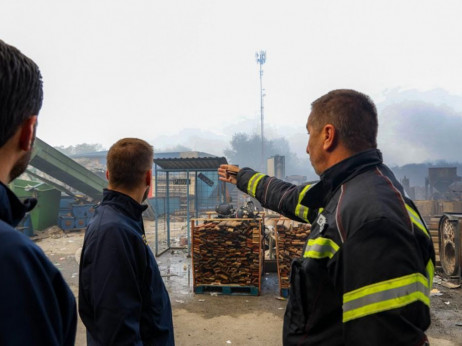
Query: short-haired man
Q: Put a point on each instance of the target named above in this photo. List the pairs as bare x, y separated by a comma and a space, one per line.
122, 298
36, 305
367, 267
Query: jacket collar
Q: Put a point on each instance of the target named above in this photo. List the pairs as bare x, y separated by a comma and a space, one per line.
123, 203
11, 209
332, 178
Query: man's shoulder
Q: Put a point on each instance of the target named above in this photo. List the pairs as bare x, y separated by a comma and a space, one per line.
17, 248
109, 219
376, 180
112, 224
372, 195
11, 240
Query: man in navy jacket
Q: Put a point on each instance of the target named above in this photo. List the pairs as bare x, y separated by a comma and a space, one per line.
36, 305
122, 298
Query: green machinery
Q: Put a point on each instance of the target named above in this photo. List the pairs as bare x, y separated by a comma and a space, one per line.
72, 177
61, 167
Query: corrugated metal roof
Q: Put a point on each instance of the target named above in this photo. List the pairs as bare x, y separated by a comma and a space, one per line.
161, 155
191, 164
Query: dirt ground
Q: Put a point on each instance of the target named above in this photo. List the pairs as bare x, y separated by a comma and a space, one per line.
212, 319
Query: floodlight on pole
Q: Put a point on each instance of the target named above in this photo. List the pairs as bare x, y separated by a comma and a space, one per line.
261, 59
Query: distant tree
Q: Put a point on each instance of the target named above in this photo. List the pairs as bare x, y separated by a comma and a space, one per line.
82, 148
245, 151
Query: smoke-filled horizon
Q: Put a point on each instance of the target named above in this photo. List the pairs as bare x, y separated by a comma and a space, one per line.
416, 130
414, 127
419, 127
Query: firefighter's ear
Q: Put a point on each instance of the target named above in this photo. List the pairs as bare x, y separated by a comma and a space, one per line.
329, 137
27, 133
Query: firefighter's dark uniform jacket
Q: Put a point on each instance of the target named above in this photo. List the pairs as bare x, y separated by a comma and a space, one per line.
368, 265
122, 298
36, 305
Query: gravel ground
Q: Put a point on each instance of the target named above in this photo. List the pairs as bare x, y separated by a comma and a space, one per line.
210, 319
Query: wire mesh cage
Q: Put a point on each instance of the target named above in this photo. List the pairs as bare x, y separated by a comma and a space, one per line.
184, 189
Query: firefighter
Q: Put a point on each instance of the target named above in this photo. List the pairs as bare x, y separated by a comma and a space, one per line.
367, 267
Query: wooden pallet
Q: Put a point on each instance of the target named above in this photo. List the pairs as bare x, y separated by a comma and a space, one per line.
284, 292
227, 290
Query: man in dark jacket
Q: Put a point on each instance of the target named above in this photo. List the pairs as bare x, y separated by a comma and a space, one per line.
36, 305
122, 298
367, 267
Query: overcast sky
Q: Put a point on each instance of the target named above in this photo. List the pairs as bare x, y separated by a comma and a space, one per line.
184, 72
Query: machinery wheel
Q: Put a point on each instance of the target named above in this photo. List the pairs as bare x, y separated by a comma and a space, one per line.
448, 249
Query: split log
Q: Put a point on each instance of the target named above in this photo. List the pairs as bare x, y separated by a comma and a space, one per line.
291, 237
227, 252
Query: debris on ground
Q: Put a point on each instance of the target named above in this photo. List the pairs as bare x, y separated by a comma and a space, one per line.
448, 284
435, 292
53, 232
437, 280
444, 282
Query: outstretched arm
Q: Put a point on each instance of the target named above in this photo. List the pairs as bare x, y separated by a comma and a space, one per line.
228, 173
275, 194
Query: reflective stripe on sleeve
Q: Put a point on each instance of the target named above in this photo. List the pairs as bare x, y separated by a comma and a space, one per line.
300, 210
430, 273
253, 183
320, 248
385, 295
416, 220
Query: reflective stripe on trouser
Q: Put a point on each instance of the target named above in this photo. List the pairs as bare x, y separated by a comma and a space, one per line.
416, 219
300, 210
386, 295
253, 183
320, 248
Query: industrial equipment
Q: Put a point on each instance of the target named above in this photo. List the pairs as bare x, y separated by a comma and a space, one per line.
450, 243
61, 167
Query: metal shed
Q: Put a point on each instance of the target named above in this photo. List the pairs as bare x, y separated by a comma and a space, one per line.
184, 188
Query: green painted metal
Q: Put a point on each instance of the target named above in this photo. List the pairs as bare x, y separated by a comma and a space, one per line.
45, 212
61, 167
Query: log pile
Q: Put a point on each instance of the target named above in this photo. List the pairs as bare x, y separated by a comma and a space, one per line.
290, 241
227, 252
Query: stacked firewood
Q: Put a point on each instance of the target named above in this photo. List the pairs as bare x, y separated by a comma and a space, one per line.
227, 252
290, 241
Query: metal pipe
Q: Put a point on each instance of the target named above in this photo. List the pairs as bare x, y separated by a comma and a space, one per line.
155, 212
168, 209
187, 208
